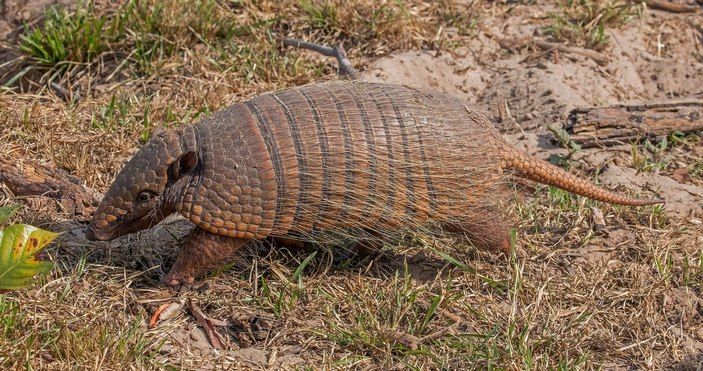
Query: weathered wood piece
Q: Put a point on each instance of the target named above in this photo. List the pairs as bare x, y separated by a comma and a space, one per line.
34, 179
607, 126
598, 57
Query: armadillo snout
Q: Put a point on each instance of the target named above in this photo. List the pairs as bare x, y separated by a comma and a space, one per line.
96, 231
90, 234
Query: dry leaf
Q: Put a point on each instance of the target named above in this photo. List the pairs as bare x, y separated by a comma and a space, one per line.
207, 324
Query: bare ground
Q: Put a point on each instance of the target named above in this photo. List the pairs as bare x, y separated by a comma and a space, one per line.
598, 286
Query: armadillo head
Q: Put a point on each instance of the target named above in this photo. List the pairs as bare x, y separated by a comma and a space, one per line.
144, 191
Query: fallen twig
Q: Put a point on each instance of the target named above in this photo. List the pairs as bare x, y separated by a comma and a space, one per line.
64, 94
599, 58
345, 65
504, 113
671, 6
596, 56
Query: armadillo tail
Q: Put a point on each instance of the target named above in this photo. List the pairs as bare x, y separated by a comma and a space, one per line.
546, 173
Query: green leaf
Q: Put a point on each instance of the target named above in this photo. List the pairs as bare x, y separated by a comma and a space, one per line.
297, 275
19, 246
6, 212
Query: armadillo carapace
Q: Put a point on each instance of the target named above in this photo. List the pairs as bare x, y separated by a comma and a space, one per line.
326, 157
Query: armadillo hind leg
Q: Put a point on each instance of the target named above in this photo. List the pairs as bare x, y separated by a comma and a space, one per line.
202, 253
487, 228
369, 246
289, 243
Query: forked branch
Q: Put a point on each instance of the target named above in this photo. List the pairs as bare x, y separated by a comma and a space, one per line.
345, 65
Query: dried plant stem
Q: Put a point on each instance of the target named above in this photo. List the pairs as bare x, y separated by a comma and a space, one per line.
599, 58
345, 65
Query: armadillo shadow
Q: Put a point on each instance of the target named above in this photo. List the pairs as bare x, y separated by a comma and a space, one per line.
690, 362
150, 251
153, 251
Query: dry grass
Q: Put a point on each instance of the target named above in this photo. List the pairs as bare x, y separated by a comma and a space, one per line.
580, 298
585, 22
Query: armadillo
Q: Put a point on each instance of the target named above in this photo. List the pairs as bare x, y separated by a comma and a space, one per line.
336, 156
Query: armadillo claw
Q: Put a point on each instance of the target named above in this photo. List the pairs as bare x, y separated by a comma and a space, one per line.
176, 279
202, 252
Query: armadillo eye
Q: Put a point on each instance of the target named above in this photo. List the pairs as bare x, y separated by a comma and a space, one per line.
144, 196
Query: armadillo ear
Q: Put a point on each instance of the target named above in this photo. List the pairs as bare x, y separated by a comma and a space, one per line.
183, 165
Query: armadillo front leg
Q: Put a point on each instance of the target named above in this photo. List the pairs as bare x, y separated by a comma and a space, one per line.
202, 252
